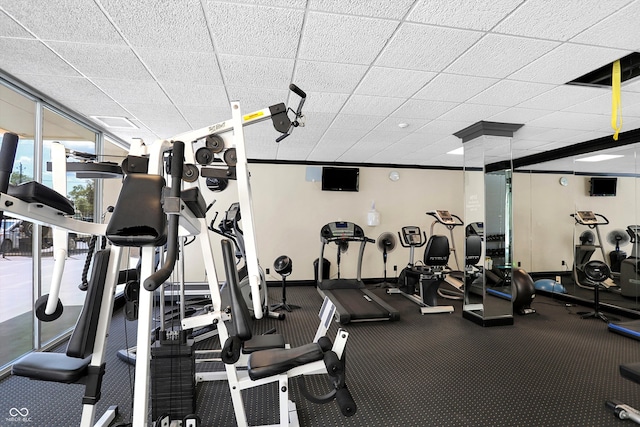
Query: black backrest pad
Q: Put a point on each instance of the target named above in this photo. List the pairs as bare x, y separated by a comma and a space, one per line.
473, 250
34, 192
437, 250
84, 334
239, 310
138, 218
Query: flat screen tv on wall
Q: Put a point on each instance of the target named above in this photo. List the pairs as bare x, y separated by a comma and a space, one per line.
340, 179
603, 186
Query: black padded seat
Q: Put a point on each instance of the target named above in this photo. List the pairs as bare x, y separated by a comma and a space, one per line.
275, 361
263, 342
56, 367
34, 192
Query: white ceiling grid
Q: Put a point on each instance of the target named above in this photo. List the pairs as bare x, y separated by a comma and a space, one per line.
171, 66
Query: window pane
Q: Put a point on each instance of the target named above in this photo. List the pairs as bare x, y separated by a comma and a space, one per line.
17, 115
76, 139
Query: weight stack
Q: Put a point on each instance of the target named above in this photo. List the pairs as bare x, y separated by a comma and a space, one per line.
173, 381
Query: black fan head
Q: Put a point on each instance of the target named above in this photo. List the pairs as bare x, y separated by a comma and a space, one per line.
587, 238
618, 238
596, 271
386, 242
283, 265
343, 245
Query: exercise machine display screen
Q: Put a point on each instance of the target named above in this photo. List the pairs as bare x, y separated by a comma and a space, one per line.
445, 217
586, 217
341, 230
412, 235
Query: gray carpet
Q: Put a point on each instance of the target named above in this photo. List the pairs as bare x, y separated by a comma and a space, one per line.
551, 368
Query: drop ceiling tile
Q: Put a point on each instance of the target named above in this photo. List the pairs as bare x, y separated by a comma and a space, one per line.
374, 105
90, 107
556, 20
471, 112
585, 136
420, 47
394, 82
517, 115
423, 109
375, 8
108, 62
477, 15
167, 130
32, 56
510, 93
169, 25
567, 62
264, 153
322, 102
390, 124
453, 87
602, 33
64, 89
315, 125
568, 120
356, 121
292, 152
497, 55
153, 112
82, 21
317, 76
181, 66
557, 135
202, 95
10, 28
251, 100
632, 85
243, 29
132, 91
529, 132
256, 72
339, 38
202, 116
562, 97
602, 104
443, 127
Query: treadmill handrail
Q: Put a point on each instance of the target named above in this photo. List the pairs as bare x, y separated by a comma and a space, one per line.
347, 239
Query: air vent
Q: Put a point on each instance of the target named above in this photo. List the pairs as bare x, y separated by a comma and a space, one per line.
629, 68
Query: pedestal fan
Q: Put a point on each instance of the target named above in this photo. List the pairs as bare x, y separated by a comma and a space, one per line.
386, 243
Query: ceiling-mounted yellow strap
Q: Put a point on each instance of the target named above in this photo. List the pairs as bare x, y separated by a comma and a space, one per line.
616, 108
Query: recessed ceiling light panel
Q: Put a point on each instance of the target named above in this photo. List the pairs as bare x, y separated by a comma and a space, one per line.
599, 158
113, 122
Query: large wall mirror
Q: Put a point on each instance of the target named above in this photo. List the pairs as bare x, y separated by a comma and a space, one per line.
551, 200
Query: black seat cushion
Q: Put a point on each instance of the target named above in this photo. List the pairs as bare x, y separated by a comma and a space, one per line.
56, 367
34, 192
266, 363
263, 342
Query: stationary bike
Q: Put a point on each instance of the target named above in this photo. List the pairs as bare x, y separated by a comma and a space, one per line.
589, 242
420, 283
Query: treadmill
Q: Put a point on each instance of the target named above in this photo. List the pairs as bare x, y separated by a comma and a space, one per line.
354, 303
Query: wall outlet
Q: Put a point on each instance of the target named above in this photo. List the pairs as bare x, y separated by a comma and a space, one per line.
564, 263
395, 268
559, 279
268, 271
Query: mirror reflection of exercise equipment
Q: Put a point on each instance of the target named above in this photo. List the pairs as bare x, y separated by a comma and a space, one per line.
454, 277
589, 242
596, 272
283, 266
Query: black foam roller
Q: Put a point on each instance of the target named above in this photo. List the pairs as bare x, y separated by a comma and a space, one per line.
345, 402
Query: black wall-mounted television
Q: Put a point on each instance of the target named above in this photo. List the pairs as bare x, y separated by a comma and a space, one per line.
340, 179
603, 186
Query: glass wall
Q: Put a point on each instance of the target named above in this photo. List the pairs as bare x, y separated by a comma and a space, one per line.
17, 115
26, 252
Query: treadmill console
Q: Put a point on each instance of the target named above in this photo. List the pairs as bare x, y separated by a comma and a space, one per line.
475, 229
412, 235
586, 217
342, 230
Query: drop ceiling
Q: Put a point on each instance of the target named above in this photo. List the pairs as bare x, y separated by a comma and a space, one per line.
367, 66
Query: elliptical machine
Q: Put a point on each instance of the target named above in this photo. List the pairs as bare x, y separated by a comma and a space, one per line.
630, 267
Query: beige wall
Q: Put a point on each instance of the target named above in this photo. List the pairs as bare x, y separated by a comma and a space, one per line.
543, 228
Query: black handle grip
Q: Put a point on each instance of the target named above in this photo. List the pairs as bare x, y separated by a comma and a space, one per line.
345, 402
295, 89
152, 282
7, 157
